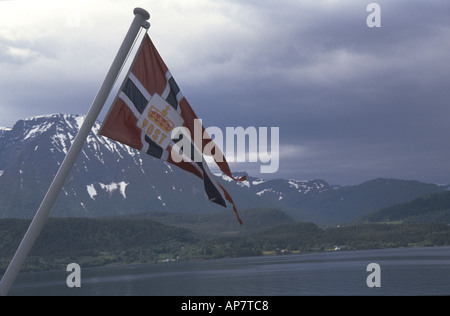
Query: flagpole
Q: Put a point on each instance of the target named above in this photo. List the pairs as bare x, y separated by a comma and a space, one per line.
39, 220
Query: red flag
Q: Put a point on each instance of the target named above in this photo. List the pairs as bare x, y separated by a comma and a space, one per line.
149, 108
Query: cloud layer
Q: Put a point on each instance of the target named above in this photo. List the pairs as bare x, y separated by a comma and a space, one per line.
352, 102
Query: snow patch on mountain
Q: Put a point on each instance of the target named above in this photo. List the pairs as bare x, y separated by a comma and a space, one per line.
259, 181
108, 188
37, 130
91, 191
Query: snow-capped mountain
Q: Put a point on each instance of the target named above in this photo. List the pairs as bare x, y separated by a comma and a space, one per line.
110, 179
284, 191
107, 179
321, 203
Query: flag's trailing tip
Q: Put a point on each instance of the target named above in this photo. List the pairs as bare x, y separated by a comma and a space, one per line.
237, 215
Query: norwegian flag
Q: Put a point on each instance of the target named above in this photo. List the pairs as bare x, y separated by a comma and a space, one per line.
149, 107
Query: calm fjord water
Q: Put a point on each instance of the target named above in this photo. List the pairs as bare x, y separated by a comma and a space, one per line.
404, 271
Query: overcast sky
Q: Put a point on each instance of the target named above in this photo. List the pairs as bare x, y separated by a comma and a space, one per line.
352, 103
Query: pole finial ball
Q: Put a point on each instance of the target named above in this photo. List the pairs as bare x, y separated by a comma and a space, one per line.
142, 12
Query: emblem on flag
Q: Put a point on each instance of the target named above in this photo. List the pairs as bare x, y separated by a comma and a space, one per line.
158, 120
149, 107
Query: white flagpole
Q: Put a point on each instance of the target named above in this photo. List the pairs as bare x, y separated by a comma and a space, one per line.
39, 220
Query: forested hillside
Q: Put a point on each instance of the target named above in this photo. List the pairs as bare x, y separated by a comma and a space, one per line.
428, 208
99, 242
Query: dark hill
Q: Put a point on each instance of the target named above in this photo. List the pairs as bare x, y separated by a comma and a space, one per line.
427, 208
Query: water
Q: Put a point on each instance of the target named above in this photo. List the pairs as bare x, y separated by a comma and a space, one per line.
406, 271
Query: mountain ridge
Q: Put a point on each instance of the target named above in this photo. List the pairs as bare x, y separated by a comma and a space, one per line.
112, 179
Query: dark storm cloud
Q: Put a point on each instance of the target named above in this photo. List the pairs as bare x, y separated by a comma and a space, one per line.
352, 102
361, 102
